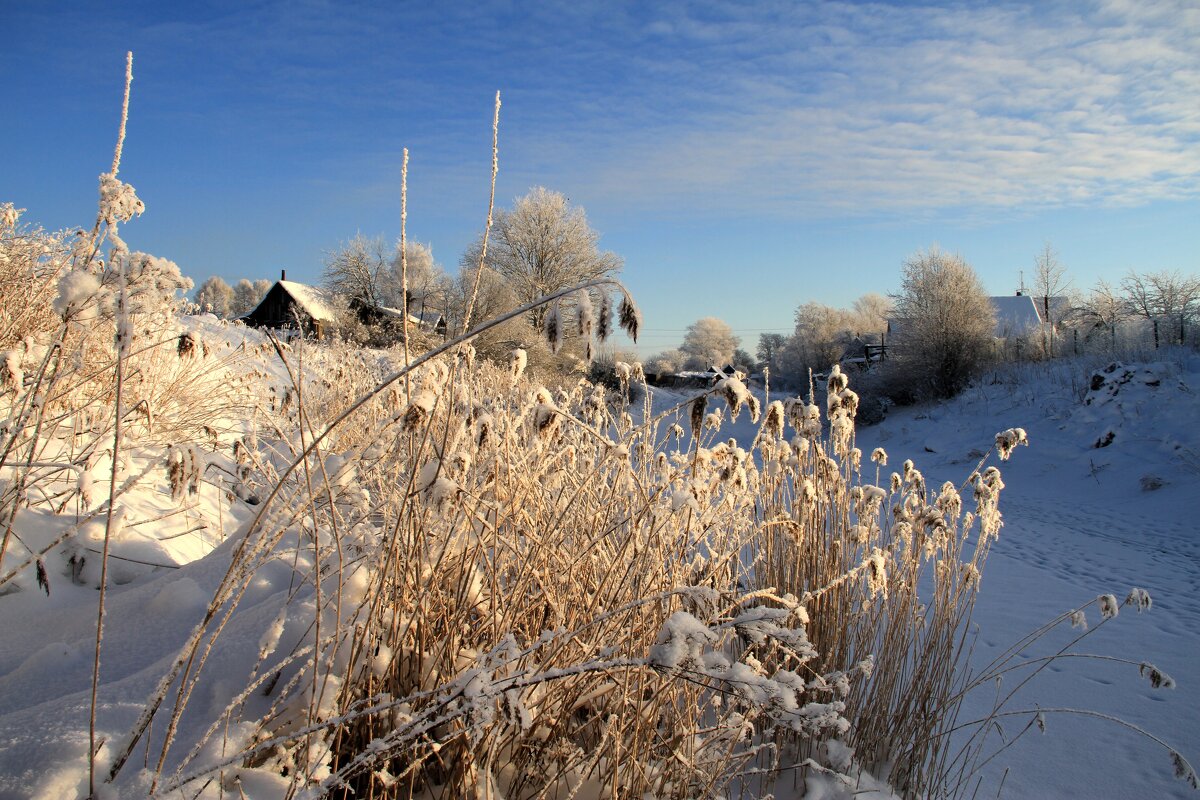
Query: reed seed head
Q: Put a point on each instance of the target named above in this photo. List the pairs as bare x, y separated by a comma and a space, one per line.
604, 318
629, 317
696, 413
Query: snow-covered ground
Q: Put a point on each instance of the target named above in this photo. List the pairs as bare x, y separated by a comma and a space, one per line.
1080, 520
162, 577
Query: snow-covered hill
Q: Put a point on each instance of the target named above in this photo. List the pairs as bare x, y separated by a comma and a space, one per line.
1105, 498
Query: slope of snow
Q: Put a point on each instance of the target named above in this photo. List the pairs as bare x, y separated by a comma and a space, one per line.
162, 577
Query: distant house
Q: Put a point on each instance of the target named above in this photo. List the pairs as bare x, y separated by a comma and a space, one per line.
289, 304
432, 321
376, 316
1017, 316
865, 349
682, 380
392, 319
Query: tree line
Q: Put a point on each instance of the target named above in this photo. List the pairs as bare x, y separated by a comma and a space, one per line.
215, 296
938, 331
943, 323
540, 245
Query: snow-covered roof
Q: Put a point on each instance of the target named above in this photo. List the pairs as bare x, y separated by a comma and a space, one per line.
1060, 305
1016, 315
316, 302
393, 313
427, 318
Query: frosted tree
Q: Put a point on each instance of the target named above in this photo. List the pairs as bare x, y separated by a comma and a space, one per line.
1166, 299
215, 296
247, 296
1049, 274
948, 322
822, 333
666, 362
1104, 309
360, 269
743, 360
541, 245
872, 311
427, 281
770, 345
1049, 282
709, 342
494, 298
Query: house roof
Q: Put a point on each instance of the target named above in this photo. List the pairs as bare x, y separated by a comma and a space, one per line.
1016, 315
316, 302
430, 318
393, 313
1059, 306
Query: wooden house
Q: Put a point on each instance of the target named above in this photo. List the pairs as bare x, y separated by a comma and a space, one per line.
295, 306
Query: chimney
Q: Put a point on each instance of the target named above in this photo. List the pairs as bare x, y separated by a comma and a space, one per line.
283, 274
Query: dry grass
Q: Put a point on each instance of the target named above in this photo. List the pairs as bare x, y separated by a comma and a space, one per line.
493, 577
495, 574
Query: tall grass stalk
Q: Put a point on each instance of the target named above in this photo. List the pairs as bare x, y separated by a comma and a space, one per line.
404, 260
487, 229
122, 343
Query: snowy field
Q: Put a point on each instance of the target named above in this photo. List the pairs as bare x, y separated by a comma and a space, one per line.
1080, 520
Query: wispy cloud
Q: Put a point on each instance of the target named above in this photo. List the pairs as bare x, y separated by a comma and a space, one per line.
782, 109
878, 108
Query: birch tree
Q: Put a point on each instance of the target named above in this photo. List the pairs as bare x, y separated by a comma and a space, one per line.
543, 244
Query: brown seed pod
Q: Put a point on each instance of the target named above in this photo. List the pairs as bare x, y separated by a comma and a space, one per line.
629, 317
696, 412
604, 320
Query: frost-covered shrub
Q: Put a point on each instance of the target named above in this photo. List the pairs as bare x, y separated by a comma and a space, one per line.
944, 336
889, 383
31, 262
93, 338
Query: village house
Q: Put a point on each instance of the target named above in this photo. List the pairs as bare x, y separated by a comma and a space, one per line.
1017, 317
295, 306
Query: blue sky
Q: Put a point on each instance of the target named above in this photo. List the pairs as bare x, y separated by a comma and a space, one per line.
742, 158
